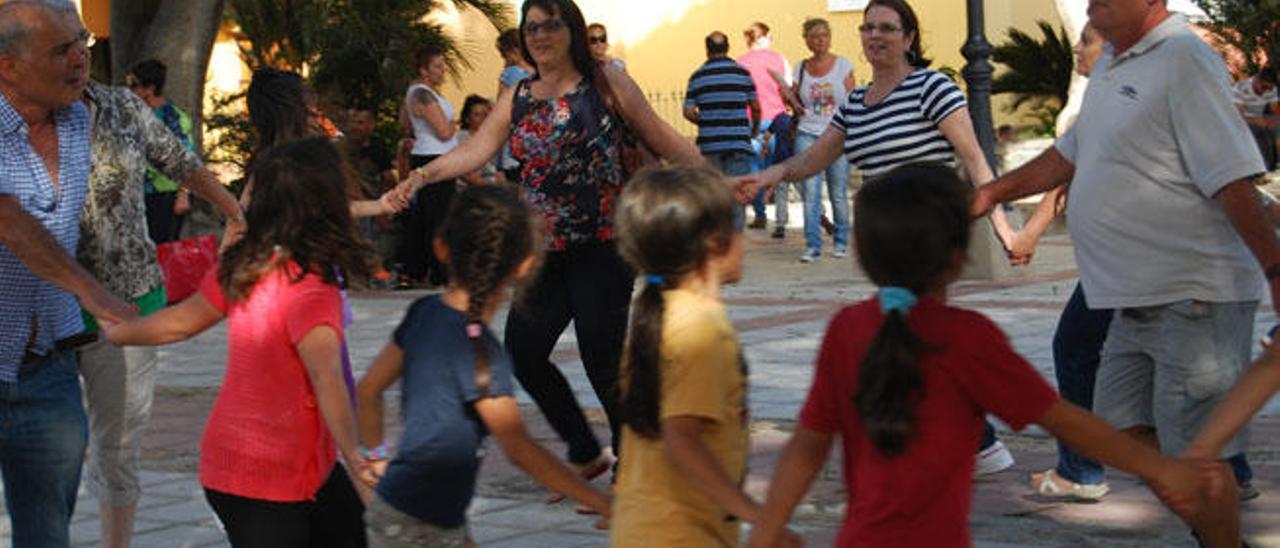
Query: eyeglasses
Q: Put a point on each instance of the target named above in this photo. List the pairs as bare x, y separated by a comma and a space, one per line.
884, 28
549, 26
598, 39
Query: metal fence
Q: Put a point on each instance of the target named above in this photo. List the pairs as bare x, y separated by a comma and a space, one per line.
670, 108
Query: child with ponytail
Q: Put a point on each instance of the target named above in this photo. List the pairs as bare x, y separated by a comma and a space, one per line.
906, 379
456, 384
684, 382
283, 414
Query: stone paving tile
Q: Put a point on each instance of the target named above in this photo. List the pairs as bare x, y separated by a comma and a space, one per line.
780, 308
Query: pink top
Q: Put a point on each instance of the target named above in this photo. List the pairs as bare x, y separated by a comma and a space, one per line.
759, 63
265, 438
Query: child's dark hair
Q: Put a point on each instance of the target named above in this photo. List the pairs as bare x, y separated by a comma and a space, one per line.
277, 107
670, 221
472, 101
298, 211
909, 226
488, 232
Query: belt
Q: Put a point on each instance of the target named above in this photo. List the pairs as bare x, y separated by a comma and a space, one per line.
62, 345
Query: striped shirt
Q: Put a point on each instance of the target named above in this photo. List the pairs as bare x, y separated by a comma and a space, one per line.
902, 128
24, 297
722, 89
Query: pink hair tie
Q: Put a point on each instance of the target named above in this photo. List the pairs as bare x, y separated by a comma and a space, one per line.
474, 330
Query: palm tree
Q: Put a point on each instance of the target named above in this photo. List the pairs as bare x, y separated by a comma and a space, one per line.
1038, 71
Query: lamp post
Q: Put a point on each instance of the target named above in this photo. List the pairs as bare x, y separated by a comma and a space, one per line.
977, 73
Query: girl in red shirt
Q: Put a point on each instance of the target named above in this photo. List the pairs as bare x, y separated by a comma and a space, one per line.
269, 452
906, 381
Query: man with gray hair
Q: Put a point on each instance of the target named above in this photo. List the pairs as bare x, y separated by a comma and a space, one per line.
44, 168
1165, 217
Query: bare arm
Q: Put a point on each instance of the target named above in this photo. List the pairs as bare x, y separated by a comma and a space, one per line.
824, 151
502, 416
425, 106
648, 126
957, 127
682, 443
1047, 171
32, 244
1023, 244
321, 353
169, 325
205, 184
1251, 392
385, 371
799, 464
483, 145
1244, 208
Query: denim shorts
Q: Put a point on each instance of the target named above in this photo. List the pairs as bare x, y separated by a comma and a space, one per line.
1169, 366
388, 527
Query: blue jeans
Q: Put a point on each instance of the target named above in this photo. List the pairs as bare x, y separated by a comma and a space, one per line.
837, 177
43, 433
733, 164
1077, 352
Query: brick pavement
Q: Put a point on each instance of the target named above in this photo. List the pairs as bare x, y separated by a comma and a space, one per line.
780, 310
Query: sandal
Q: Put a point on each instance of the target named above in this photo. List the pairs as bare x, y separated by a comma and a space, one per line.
588, 471
1050, 484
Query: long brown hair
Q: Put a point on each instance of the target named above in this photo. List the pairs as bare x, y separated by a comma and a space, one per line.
908, 226
670, 221
299, 212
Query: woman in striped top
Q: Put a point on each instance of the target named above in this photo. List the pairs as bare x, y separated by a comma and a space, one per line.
906, 114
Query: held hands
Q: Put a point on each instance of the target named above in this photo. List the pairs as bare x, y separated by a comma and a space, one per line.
393, 201
108, 309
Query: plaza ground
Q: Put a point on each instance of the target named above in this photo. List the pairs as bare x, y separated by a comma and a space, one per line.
780, 310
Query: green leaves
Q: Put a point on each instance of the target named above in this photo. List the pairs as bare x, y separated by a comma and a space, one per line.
1037, 70
1250, 27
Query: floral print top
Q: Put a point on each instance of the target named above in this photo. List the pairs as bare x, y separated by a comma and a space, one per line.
127, 139
570, 162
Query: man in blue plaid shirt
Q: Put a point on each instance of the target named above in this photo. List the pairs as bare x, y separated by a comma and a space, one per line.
44, 169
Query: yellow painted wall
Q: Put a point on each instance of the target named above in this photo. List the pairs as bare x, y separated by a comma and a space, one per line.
661, 40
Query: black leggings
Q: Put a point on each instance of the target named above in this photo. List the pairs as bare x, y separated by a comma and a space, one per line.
335, 519
418, 226
590, 285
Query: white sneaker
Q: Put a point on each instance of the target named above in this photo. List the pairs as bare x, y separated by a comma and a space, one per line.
840, 253
809, 256
992, 459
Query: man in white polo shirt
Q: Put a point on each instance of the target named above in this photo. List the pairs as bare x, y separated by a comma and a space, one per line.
1164, 217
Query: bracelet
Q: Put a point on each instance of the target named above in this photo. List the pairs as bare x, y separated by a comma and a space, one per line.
381, 452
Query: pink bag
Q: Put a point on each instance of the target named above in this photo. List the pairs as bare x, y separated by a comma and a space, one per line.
185, 263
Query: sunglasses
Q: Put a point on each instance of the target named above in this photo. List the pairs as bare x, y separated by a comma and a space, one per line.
549, 26
884, 28
598, 39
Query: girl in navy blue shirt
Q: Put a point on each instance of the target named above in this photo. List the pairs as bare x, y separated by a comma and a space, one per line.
456, 385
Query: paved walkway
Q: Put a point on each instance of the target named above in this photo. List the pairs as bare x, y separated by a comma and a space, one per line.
780, 310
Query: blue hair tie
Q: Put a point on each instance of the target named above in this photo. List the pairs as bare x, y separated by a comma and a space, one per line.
900, 299
654, 279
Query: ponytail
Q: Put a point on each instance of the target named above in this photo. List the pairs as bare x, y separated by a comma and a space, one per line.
643, 383
890, 385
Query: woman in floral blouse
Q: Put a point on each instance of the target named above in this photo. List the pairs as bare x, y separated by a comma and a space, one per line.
566, 125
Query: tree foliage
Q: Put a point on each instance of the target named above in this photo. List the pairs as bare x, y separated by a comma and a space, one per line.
1038, 70
1250, 27
352, 52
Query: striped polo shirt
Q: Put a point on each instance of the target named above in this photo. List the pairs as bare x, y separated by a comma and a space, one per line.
902, 128
722, 89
